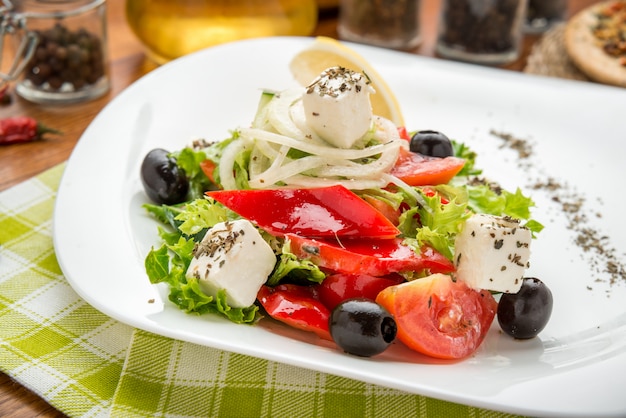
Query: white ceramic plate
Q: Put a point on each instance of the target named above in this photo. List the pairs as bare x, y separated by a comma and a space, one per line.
577, 366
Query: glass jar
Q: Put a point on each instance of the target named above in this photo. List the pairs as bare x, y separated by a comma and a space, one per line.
543, 14
170, 29
386, 23
68, 61
481, 31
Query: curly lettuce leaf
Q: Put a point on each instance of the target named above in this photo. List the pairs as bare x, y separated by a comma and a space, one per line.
437, 224
169, 263
189, 161
463, 151
192, 219
202, 214
164, 213
291, 268
484, 198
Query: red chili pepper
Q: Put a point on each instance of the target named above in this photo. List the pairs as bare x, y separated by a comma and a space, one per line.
22, 129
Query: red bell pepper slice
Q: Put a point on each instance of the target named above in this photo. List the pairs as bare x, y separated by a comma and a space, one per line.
296, 306
331, 211
374, 257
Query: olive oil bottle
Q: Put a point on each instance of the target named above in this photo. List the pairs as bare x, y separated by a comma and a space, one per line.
170, 29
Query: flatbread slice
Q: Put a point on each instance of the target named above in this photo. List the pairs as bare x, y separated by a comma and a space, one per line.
586, 50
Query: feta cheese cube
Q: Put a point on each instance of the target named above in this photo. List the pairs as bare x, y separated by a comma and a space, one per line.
232, 256
337, 106
492, 253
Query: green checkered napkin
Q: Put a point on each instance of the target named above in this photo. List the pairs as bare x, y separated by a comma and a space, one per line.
88, 365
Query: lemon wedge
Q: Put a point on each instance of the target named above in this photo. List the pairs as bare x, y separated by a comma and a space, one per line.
327, 52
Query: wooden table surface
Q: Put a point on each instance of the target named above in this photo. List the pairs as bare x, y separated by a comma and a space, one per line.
127, 64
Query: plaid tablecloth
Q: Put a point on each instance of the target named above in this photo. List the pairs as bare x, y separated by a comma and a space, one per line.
86, 364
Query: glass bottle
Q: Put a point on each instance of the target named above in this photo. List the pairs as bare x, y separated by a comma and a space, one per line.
481, 31
66, 60
170, 29
543, 14
386, 23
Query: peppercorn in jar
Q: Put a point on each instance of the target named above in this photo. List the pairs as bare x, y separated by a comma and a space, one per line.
67, 61
481, 31
544, 14
385, 23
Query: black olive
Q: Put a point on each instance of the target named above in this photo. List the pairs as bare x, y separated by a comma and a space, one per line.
162, 179
431, 143
362, 327
525, 314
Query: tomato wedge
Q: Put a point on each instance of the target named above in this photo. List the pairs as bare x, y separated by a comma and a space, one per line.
374, 257
339, 287
331, 211
296, 306
439, 317
419, 170
208, 168
403, 133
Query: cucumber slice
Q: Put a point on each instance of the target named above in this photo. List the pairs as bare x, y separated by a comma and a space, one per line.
261, 119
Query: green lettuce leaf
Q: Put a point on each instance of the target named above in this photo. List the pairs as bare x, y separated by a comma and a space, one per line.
214, 150
189, 160
169, 263
192, 219
517, 205
290, 268
534, 226
164, 213
490, 199
202, 214
242, 162
157, 264
437, 224
484, 199
393, 199
463, 151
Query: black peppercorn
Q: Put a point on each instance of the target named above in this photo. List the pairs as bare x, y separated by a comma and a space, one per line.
65, 59
543, 14
386, 23
486, 31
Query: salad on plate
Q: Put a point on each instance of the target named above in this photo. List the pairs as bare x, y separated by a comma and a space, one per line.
335, 219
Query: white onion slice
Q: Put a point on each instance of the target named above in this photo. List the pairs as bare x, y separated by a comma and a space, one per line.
279, 113
321, 150
227, 163
258, 163
274, 175
352, 184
